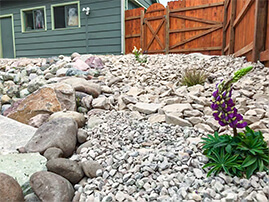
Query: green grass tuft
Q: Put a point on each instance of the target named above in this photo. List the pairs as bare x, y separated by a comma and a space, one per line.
193, 77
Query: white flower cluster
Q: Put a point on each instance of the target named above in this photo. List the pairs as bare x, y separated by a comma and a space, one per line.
135, 50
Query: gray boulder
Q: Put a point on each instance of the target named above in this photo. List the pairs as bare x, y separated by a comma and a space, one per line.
51, 187
60, 133
68, 169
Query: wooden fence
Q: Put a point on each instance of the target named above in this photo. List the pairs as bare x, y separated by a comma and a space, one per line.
182, 27
246, 29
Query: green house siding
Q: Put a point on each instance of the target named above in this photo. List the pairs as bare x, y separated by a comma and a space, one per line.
132, 4
103, 25
104, 30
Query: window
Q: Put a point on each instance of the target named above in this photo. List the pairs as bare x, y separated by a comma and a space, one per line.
33, 19
65, 15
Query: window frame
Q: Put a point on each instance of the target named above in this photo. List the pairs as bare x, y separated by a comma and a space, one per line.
65, 5
23, 20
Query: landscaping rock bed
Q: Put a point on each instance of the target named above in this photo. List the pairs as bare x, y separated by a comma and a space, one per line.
113, 129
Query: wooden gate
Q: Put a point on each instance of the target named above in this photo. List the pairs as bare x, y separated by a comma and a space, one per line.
195, 26
154, 29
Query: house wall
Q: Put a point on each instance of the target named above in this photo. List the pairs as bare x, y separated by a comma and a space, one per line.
104, 26
132, 4
146, 3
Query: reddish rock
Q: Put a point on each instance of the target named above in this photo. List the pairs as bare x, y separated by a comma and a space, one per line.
46, 100
10, 189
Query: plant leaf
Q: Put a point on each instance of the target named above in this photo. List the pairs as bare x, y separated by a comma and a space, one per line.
248, 161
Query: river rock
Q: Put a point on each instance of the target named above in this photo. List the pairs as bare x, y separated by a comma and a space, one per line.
51, 187
90, 167
10, 190
78, 117
53, 153
80, 84
68, 169
80, 64
95, 62
60, 133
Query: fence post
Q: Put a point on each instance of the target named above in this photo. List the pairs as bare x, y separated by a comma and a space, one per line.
167, 28
233, 15
224, 26
259, 29
142, 30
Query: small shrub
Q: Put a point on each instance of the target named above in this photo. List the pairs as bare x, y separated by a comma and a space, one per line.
193, 77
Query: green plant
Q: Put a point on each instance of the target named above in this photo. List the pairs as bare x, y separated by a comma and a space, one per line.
242, 154
239, 155
139, 55
223, 161
192, 77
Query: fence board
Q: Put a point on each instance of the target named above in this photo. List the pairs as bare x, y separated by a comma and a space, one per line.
132, 29
264, 56
245, 32
239, 27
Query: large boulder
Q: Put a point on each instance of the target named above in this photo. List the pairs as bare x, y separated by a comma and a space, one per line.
10, 130
60, 133
82, 85
10, 190
69, 169
46, 100
51, 187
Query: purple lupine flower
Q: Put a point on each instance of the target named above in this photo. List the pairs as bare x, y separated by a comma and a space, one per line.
224, 110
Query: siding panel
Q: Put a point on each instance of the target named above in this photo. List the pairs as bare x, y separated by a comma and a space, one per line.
104, 26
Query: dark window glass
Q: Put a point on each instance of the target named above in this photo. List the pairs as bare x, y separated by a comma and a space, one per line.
59, 17
29, 25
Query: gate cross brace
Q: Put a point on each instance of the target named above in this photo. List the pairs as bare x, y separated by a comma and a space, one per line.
154, 34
